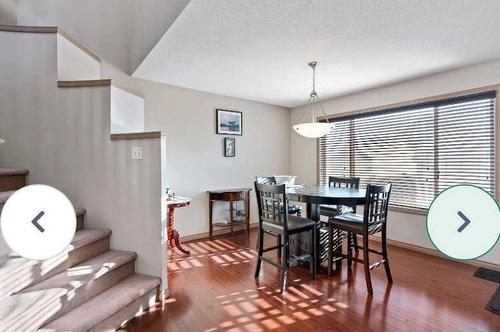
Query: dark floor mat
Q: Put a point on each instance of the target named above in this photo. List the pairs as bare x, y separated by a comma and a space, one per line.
488, 274
494, 303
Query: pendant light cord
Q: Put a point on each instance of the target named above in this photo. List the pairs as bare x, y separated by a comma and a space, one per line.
313, 97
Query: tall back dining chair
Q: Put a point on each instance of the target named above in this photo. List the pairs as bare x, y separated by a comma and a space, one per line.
334, 210
373, 220
272, 203
292, 209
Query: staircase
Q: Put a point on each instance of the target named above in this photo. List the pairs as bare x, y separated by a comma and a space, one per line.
87, 287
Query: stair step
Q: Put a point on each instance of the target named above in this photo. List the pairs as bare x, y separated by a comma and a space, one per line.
110, 309
12, 178
13, 171
47, 300
17, 272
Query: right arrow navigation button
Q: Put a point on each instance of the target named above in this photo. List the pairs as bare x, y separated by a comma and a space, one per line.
466, 221
463, 222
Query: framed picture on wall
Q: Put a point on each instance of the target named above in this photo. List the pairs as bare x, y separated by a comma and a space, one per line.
229, 122
229, 147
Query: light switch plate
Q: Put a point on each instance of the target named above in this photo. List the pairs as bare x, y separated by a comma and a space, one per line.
137, 153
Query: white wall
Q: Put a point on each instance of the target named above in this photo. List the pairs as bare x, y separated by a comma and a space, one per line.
73, 64
195, 161
62, 135
127, 112
403, 227
121, 31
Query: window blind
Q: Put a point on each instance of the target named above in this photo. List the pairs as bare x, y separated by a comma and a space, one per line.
422, 149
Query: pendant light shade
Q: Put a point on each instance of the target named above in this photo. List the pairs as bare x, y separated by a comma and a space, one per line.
313, 129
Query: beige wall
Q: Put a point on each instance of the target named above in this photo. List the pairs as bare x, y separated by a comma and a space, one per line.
403, 227
195, 161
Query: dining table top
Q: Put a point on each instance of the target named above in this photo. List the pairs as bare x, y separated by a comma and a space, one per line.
325, 194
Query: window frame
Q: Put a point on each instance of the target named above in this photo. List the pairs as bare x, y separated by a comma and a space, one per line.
415, 103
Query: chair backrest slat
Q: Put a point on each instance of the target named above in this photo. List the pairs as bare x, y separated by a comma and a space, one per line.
376, 206
272, 204
339, 182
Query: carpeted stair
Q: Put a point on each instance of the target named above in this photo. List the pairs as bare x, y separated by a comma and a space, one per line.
87, 287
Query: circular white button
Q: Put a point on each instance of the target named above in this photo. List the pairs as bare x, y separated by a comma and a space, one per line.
463, 222
38, 222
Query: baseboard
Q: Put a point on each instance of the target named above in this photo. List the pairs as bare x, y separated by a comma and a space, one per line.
432, 252
205, 235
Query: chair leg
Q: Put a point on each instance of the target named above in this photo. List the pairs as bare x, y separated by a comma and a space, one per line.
349, 249
312, 263
330, 249
338, 251
279, 246
284, 266
355, 242
260, 245
366, 263
384, 255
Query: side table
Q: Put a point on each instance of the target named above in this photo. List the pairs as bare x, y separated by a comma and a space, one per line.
172, 234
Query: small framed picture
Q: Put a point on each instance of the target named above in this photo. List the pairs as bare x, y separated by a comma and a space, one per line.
229, 147
229, 122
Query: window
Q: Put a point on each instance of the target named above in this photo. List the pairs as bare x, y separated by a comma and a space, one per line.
422, 149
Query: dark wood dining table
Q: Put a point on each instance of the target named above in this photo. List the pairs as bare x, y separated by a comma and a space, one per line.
315, 196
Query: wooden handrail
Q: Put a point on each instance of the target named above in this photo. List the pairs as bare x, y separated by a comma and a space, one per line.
140, 135
84, 83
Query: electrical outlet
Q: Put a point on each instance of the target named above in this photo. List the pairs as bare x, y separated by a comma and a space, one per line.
136, 152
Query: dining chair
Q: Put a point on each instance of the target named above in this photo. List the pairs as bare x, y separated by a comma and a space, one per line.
373, 220
272, 204
292, 209
334, 210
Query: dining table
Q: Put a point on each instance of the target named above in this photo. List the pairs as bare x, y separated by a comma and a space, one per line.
316, 195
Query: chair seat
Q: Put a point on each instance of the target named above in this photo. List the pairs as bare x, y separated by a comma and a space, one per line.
295, 225
349, 222
333, 210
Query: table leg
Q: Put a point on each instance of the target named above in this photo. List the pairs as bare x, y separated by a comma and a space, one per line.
247, 213
210, 208
178, 244
313, 213
173, 235
231, 214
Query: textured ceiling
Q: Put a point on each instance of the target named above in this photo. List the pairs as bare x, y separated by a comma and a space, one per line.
259, 49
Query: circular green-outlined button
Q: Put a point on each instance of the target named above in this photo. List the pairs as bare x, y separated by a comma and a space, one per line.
463, 222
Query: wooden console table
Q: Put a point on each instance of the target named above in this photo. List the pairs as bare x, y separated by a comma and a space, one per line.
231, 196
172, 234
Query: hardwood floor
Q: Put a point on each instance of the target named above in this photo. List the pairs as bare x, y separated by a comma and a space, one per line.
214, 290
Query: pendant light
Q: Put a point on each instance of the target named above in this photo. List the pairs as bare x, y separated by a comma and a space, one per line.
313, 129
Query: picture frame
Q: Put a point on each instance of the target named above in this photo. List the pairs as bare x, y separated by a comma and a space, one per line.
229, 122
229, 147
